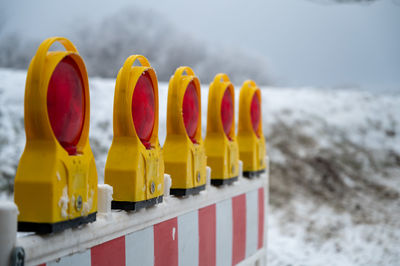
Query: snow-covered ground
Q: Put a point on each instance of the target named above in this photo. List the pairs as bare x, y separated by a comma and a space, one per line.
335, 166
335, 176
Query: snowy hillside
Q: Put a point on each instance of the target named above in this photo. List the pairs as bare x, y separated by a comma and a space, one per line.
335, 166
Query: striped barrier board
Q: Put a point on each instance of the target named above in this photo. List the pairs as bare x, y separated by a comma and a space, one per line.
219, 226
217, 234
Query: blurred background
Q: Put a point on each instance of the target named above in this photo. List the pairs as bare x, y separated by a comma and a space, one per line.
330, 77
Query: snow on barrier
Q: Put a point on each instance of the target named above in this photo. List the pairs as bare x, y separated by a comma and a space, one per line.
69, 219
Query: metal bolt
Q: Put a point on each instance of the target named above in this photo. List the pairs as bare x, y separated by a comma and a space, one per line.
18, 257
152, 187
78, 203
198, 176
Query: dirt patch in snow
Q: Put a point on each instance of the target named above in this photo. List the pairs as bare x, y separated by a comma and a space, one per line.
345, 184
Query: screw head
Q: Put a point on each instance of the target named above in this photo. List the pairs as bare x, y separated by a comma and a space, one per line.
152, 187
198, 176
78, 203
18, 256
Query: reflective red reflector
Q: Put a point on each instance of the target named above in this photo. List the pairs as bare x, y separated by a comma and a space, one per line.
190, 110
255, 113
227, 112
143, 108
66, 104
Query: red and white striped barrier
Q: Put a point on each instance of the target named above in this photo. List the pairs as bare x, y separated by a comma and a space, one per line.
218, 234
219, 226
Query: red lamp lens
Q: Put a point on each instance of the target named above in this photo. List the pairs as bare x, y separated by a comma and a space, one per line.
143, 108
227, 112
66, 104
190, 110
255, 113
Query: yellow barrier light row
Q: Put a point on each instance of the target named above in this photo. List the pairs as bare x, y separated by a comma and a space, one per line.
56, 180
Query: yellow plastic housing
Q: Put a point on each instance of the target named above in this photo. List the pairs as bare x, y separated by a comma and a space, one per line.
135, 173
222, 152
51, 186
251, 147
184, 160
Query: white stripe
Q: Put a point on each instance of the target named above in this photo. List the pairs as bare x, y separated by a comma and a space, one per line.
139, 247
188, 239
224, 233
251, 222
82, 259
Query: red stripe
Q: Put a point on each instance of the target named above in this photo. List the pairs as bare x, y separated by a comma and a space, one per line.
109, 253
44, 264
207, 235
166, 243
239, 228
260, 217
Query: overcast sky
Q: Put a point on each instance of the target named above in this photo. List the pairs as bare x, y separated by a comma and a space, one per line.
305, 42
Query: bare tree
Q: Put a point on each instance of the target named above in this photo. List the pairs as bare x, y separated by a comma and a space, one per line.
104, 47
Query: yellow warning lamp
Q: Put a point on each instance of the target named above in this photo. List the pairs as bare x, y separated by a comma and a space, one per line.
250, 136
56, 180
134, 166
221, 143
184, 153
